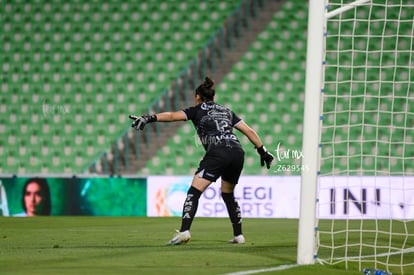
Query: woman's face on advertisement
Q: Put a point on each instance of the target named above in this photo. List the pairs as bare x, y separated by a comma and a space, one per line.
33, 199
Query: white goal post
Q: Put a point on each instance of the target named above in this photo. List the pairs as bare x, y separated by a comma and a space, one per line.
311, 127
357, 195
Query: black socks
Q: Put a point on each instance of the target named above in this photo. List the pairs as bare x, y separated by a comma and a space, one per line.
234, 212
191, 205
190, 208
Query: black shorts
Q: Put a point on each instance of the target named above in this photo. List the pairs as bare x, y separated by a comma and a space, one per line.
223, 162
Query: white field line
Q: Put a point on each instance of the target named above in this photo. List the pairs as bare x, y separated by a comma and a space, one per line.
277, 268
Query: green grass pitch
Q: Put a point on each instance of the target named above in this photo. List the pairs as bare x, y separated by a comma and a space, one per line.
137, 245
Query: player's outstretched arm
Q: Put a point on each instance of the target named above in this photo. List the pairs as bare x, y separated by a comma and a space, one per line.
171, 116
140, 122
265, 156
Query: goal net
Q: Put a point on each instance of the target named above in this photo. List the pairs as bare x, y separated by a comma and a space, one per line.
365, 183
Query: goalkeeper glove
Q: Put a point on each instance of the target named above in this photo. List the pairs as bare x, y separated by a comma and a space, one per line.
140, 122
265, 156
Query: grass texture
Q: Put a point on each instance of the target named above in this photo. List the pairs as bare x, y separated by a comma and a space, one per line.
137, 245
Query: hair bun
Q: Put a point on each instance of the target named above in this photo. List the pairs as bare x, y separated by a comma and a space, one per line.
208, 83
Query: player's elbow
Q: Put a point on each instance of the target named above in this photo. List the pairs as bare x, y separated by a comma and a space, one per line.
252, 135
250, 132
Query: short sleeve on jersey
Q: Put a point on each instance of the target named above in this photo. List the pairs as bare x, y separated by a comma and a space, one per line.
190, 112
236, 119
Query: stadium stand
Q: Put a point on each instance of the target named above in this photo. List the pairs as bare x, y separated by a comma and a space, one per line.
265, 87
72, 72
69, 72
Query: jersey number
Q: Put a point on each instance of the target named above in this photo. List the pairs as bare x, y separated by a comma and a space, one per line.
221, 125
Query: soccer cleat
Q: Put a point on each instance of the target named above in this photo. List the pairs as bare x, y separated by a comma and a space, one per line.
238, 239
180, 238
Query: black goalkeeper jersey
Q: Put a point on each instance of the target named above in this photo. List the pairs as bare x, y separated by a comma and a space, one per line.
214, 125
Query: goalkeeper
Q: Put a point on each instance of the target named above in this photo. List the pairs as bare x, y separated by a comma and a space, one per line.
224, 155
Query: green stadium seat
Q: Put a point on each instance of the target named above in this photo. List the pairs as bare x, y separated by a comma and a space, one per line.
106, 58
